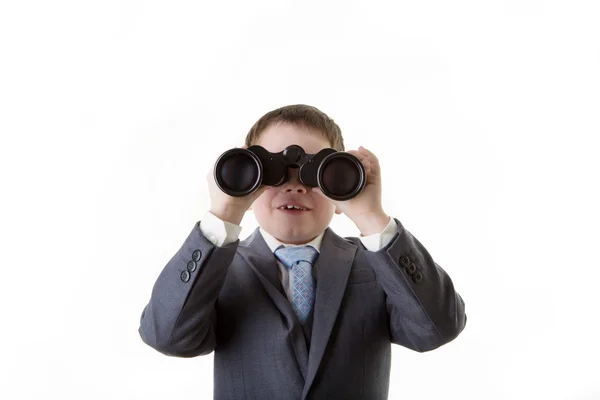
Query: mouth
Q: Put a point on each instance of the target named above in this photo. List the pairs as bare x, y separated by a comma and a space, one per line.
293, 209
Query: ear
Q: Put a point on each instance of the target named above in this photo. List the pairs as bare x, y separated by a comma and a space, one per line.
337, 211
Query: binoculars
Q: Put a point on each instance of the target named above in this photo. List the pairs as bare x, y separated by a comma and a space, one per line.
239, 172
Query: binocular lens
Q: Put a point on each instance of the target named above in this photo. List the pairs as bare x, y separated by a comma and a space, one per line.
238, 173
340, 177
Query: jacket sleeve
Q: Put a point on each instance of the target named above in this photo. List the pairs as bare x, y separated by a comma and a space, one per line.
425, 311
179, 320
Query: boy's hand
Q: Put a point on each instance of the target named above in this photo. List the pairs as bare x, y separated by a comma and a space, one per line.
365, 210
229, 208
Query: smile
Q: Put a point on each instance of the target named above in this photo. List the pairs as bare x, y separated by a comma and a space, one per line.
297, 208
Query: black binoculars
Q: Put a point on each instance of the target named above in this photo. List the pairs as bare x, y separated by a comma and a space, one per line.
239, 172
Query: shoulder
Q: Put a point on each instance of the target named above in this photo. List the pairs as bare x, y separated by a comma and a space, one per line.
354, 240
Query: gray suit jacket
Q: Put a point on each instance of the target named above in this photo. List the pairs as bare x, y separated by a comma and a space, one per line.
229, 299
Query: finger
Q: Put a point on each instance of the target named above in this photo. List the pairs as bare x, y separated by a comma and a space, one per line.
355, 153
369, 154
372, 159
365, 161
372, 171
358, 155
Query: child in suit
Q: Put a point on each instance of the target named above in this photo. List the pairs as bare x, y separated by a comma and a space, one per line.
295, 311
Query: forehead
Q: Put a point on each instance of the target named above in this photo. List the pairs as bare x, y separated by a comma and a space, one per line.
279, 136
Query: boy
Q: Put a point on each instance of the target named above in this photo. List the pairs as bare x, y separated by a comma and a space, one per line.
295, 311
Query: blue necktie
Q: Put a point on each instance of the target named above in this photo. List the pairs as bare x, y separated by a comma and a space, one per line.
300, 260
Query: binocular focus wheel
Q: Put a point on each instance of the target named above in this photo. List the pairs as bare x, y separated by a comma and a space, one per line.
341, 176
238, 172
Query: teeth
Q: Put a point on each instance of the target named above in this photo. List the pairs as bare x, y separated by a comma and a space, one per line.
292, 208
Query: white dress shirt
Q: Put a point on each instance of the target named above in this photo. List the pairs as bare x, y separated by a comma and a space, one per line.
221, 233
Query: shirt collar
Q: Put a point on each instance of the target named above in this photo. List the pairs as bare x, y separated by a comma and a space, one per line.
274, 243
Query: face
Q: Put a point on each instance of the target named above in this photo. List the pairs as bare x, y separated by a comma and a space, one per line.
292, 227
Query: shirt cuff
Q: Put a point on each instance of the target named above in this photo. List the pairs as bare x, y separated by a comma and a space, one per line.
378, 241
219, 232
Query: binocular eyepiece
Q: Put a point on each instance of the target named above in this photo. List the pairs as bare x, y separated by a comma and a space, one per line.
240, 172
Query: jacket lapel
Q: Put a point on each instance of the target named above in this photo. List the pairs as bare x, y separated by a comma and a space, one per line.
259, 257
333, 268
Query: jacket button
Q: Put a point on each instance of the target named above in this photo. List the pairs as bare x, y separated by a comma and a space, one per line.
196, 255
411, 268
404, 261
191, 266
417, 277
185, 276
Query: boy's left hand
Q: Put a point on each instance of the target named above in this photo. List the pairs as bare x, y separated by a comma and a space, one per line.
365, 210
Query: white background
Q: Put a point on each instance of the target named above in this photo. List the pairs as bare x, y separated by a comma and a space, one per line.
484, 115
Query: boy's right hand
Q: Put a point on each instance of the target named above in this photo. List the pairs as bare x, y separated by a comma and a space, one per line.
229, 208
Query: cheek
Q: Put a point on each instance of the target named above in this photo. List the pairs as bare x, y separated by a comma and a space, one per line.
262, 205
325, 206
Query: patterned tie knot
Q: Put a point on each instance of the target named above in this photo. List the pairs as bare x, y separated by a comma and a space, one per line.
289, 256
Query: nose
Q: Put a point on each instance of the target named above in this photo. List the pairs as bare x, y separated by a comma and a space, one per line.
293, 184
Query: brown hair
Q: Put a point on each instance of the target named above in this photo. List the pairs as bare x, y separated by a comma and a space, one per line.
300, 115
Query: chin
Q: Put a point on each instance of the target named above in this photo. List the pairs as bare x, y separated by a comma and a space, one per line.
294, 238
